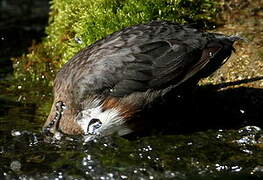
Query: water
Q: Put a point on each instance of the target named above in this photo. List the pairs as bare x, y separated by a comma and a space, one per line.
204, 154
27, 156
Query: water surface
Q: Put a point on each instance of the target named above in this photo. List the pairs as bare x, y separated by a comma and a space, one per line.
207, 154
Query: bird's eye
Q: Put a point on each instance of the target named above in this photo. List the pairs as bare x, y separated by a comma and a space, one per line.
94, 124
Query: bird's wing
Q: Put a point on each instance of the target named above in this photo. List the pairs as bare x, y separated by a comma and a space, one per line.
153, 65
151, 56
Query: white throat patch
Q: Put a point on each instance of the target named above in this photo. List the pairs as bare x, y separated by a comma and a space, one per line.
111, 121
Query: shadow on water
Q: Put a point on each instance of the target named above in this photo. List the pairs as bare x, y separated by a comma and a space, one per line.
229, 108
209, 107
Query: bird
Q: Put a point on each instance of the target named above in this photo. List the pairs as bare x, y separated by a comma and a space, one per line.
104, 88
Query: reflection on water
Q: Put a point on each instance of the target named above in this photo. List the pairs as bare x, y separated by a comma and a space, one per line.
24, 154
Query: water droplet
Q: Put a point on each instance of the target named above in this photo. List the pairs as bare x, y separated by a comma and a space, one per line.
88, 157
57, 136
16, 133
149, 157
110, 175
242, 111
2, 150
246, 140
218, 136
102, 178
15, 165
236, 168
126, 177
249, 129
60, 175
19, 98
169, 174
247, 151
84, 163
221, 167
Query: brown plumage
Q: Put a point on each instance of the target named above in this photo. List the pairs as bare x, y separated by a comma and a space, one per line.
106, 85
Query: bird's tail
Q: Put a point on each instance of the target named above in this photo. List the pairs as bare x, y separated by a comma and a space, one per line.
237, 37
229, 40
224, 47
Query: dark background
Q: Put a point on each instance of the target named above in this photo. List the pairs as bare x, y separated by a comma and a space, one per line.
22, 22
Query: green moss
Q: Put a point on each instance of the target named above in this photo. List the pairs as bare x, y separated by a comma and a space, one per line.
75, 24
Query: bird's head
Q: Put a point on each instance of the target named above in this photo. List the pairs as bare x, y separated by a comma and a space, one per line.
92, 118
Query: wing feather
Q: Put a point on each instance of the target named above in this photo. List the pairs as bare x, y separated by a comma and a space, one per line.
145, 60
